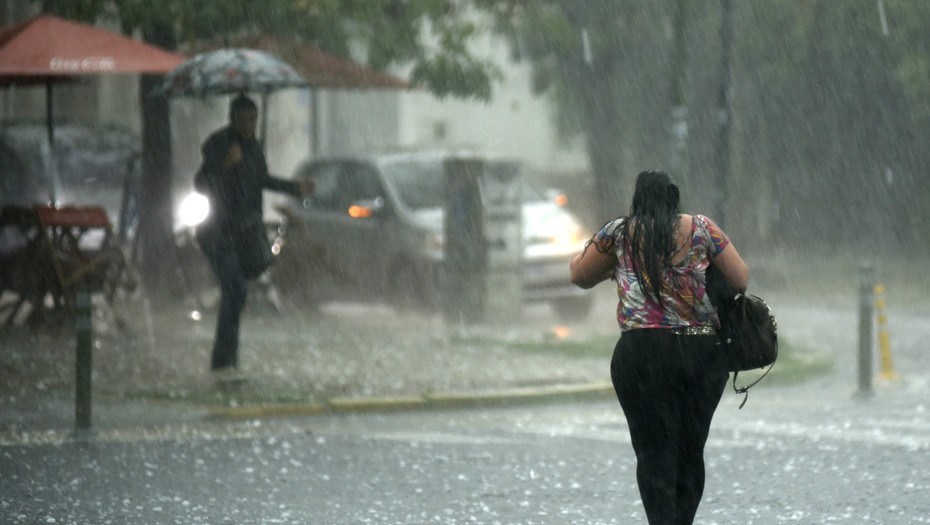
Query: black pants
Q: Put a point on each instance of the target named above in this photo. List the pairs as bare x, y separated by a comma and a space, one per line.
224, 260
669, 386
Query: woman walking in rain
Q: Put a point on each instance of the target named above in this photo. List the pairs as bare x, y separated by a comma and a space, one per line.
667, 369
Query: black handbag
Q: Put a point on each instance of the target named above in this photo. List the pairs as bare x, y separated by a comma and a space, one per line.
748, 330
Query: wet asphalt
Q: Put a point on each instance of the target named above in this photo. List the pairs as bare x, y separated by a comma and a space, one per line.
416, 422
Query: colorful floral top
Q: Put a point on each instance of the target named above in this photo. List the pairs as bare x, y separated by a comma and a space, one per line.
684, 285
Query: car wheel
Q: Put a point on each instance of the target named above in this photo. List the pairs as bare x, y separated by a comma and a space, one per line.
573, 308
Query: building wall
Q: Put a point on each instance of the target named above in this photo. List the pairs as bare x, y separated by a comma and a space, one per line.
514, 123
358, 122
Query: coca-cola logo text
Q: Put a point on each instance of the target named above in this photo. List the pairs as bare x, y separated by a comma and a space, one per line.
82, 64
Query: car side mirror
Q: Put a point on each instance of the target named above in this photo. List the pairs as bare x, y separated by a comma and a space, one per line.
366, 208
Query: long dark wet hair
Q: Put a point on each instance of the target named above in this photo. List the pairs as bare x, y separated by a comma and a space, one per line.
648, 232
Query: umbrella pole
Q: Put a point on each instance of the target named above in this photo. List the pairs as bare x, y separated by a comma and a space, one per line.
265, 123
52, 162
49, 120
315, 122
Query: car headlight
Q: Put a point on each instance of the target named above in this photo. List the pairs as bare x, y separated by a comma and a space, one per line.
565, 232
193, 210
569, 236
562, 236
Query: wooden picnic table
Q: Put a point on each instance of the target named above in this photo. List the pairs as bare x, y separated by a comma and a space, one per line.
57, 251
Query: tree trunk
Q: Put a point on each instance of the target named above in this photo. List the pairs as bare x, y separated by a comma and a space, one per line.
156, 209
593, 76
604, 135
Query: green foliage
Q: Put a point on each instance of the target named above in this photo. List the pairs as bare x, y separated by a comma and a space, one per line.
830, 110
824, 90
831, 104
83, 10
390, 31
458, 77
606, 66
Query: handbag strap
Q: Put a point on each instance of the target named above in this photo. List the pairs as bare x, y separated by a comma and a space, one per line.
745, 389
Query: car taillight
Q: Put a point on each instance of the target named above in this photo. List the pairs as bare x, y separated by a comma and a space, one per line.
359, 212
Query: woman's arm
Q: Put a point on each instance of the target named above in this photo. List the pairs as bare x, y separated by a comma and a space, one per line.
724, 256
733, 268
591, 266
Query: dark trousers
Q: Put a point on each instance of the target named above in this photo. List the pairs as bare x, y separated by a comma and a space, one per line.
233, 290
669, 386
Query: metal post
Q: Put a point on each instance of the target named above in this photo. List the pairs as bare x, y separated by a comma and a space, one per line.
316, 124
465, 258
503, 228
866, 300
83, 362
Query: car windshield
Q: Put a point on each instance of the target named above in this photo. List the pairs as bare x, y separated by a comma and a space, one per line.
419, 183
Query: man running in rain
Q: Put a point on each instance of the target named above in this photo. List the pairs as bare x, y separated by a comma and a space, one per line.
232, 176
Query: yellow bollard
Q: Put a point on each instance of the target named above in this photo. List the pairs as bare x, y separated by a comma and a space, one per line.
884, 341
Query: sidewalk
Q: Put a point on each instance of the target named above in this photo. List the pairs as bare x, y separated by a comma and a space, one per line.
351, 358
345, 358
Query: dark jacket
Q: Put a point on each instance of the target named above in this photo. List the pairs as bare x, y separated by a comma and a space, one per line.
235, 194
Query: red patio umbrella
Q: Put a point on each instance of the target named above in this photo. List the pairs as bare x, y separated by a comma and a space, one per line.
48, 49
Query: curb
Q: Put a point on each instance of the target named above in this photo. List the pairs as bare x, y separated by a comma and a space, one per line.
439, 400
333, 406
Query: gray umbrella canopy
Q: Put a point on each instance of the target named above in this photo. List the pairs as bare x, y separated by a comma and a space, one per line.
321, 70
227, 71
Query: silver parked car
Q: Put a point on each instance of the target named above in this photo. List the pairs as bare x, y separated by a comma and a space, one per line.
373, 230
